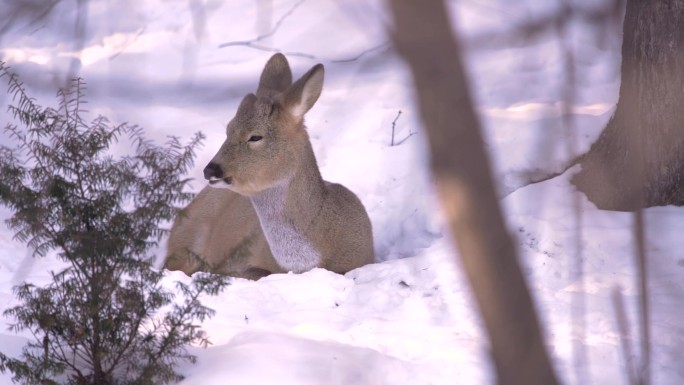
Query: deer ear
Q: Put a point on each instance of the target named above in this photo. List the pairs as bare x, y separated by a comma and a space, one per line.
276, 76
303, 94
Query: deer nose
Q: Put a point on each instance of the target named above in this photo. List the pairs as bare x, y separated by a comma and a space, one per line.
212, 171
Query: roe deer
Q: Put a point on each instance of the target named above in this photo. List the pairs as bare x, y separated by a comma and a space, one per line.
267, 156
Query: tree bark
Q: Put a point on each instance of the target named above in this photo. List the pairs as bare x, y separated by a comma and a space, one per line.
638, 160
460, 165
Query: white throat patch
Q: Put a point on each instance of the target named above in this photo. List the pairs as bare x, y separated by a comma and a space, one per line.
291, 249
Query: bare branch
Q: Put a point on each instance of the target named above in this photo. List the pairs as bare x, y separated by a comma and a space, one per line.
394, 123
271, 49
381, 47
254, 43
411, 133
128, 44
250, 43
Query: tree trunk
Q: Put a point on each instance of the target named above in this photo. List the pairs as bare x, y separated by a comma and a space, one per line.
460, 165
638, 161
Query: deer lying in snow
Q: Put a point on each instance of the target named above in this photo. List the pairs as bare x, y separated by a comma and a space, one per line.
267, 157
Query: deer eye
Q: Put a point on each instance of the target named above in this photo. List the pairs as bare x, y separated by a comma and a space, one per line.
255, 138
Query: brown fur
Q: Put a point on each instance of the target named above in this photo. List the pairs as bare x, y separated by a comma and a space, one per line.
277, 194
220, 232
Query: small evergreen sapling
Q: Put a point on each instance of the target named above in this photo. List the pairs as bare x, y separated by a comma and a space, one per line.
99, 321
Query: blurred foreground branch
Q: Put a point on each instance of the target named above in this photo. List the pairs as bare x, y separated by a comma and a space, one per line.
460, 165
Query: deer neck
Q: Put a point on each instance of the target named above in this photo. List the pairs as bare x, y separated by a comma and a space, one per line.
288, 214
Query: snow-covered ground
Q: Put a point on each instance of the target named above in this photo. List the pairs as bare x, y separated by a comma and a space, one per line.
176, 67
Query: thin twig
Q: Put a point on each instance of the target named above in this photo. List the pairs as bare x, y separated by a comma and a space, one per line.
394, 123
275, 28
272, 49
384, 46
379, 48
128, 44
411, 133
252, 43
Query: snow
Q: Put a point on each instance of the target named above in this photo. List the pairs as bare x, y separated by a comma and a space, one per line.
410, 318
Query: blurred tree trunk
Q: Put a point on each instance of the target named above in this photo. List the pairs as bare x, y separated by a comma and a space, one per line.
638, 161
460, 165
